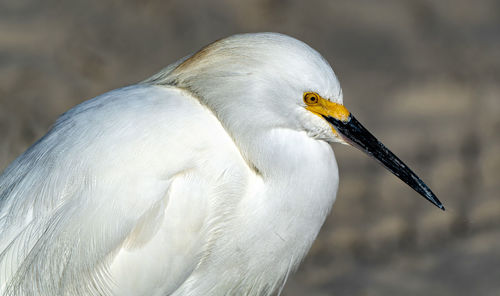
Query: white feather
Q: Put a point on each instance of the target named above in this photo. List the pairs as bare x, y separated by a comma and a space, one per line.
210, 178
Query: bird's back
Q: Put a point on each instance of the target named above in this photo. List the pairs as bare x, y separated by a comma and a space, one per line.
121, 196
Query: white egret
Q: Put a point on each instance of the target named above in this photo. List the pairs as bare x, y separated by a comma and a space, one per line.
212, 177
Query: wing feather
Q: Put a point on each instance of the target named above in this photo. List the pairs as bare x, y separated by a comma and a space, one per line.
94, 195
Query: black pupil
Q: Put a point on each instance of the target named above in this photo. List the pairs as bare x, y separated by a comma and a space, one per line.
313, 99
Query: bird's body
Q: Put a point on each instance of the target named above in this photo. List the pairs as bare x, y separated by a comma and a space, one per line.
179, 185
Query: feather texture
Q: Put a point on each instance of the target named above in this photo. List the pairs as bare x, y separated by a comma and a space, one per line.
194, 182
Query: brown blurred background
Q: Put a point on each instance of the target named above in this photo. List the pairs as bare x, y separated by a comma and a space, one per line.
422, 75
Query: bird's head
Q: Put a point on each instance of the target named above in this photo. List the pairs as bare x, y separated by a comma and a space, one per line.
256, 82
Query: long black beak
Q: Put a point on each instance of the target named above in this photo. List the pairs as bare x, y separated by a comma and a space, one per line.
355, 134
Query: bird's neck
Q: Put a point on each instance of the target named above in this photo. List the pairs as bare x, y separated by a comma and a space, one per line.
299, 185
284, 155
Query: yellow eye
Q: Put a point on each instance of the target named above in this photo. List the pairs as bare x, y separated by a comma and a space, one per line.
311, 98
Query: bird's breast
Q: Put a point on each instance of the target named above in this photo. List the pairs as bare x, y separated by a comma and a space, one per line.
276, 221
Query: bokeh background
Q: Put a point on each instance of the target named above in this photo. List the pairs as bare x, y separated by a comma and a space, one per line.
424, 76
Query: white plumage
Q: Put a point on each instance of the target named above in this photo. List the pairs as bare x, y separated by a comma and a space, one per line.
210, 178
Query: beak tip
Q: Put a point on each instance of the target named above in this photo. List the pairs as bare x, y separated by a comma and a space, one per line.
436, 202
431, 197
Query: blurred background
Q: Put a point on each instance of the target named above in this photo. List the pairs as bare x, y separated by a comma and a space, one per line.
423, 76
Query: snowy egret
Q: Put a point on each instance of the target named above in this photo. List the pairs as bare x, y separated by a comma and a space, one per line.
212, 177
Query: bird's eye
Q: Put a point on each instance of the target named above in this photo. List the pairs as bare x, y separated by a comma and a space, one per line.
311, 98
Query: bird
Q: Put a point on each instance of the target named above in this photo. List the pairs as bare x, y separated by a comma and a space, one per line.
211, 177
